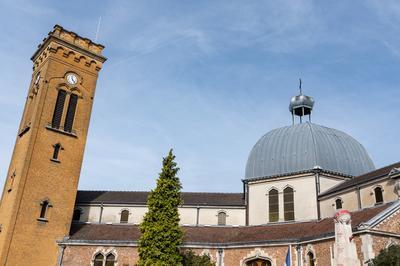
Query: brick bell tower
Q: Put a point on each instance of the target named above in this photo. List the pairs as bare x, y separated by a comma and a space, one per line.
38, 198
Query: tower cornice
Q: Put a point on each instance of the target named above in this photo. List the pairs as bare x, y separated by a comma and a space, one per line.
73, 41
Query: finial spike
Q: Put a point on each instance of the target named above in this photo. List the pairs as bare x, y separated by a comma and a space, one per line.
301, 93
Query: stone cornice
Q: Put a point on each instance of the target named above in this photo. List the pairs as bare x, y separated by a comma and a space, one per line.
72, 41
68, 44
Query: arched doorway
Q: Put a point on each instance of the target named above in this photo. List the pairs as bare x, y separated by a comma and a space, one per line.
258, 262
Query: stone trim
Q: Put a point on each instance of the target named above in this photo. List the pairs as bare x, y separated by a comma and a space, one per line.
257, 253
105, 252
311, 249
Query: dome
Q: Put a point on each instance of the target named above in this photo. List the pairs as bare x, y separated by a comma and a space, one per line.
299, 101
304, 146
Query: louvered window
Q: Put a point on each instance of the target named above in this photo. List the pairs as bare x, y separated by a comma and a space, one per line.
58, 110
69, 120
288, 204
273, 205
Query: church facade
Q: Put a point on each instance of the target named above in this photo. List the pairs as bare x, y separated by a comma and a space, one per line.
296, 178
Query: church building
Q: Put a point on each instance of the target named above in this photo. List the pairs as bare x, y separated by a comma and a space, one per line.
296, 178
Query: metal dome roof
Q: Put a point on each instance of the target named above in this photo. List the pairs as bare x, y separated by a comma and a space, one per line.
301, 101
302, 147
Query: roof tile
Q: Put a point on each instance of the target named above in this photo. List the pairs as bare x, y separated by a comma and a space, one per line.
140, 197
226, 234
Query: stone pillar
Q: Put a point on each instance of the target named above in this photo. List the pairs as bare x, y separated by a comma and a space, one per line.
345, 253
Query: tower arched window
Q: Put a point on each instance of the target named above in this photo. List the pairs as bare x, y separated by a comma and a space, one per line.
273, 197
222, 218
288, 204
98, 260
57, 147
43, 209
378, 195
124, 216
58, 109
338, 204
69, 119
110, 260
310, 258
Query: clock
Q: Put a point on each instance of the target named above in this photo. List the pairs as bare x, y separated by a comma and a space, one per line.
72, 79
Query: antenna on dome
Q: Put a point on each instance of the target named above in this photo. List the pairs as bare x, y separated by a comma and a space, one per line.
301, 105
301, 93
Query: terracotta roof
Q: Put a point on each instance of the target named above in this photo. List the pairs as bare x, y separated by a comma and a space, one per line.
140, 197
358, 180
214, 235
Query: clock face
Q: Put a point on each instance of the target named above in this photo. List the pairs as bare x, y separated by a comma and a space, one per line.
72, 79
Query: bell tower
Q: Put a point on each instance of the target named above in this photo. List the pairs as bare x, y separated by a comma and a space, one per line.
38, 198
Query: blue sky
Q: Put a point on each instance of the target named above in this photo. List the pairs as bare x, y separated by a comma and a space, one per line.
209, 78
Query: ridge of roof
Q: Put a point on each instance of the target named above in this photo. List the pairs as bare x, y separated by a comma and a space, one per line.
143, 191
140, 197
375, 174
395, 206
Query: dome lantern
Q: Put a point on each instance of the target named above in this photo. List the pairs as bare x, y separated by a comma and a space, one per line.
301, 105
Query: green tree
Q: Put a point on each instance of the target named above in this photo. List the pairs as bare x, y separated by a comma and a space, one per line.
388, 257
161, 235
191, 259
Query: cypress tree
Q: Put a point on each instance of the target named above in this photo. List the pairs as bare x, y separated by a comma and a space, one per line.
161, 235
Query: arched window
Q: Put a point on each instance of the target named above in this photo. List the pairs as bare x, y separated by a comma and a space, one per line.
288, 204
273, 205
310, 258
98, 260
378, 195
222, 218
77, 215
110, 260
124, 216
258, 262
43, 209
339, 204
58, 109
56, 151
69, 119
